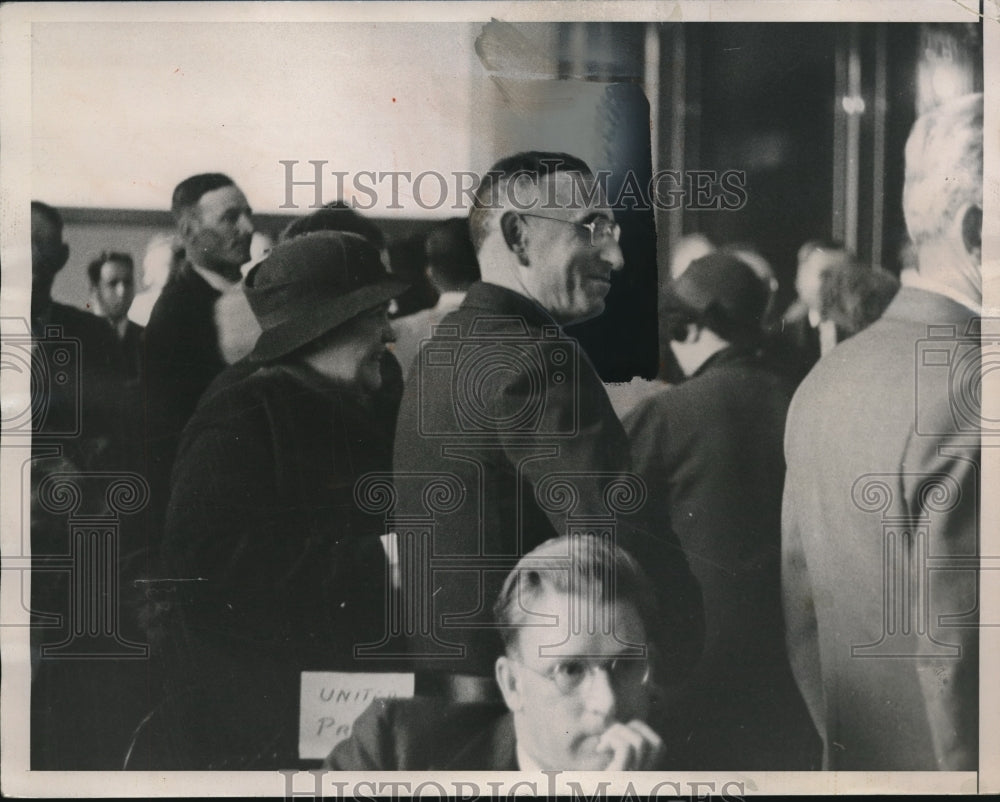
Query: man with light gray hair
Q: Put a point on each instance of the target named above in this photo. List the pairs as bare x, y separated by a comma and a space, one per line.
880, 534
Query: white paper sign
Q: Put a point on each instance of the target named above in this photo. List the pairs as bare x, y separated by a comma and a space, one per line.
330, 701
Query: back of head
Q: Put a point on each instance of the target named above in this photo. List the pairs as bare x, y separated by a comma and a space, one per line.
854, 296
494, 188
189, 191
758, 263
49, 214
752, 258
588, 568
335, 216
48, 251
451, 255
944, 168
722, 293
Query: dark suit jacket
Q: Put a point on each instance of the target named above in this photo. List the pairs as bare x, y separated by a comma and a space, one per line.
132, 349
293, 572
501, 405
182, 343
182, 359
80, 716
130, 359
794, 344
880, 455
424, 734
710, 452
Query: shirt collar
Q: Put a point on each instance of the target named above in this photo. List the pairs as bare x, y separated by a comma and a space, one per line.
450, 299
214, 280
505, 301
915, 279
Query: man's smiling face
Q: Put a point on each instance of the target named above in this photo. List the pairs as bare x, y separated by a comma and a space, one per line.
568, 272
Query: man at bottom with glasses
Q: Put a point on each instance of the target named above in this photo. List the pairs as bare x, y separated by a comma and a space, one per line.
577, 677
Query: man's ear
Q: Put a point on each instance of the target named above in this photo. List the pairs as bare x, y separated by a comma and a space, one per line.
515, 235
186, 226
972, 231
509, 682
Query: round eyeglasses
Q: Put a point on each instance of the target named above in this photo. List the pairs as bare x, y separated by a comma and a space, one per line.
571, 675
600, 229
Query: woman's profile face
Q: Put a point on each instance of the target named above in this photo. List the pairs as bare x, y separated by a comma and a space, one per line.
352, 353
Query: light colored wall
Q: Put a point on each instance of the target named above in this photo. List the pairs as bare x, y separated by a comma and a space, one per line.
123, 111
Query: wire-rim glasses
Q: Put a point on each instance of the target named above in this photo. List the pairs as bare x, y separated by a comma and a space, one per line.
571, 674
600, 229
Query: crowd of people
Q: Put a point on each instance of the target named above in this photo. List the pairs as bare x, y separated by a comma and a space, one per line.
696, 577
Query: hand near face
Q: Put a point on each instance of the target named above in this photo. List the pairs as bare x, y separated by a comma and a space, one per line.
633, 746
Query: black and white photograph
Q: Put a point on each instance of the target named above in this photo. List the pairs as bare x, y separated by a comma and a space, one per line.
481, 399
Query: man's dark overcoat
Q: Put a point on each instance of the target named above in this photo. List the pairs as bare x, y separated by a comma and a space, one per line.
182, 358
500, 401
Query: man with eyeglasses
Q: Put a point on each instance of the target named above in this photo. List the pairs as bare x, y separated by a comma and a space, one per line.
577, 615
505, 408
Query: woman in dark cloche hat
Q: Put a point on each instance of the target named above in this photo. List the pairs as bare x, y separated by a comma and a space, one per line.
280, 571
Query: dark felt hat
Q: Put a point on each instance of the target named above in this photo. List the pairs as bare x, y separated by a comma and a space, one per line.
723, 285
309, 285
